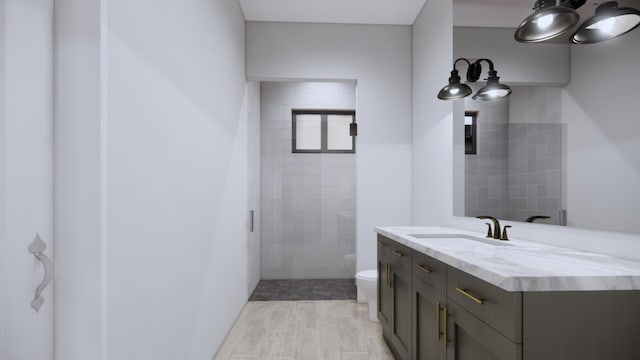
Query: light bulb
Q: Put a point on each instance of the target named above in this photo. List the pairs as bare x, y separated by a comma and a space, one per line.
607, 25
545, 21
497, 93
454, 91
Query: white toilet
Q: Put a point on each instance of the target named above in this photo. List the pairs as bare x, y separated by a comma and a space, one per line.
367, 283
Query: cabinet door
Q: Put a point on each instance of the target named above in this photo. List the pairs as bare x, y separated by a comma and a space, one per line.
401, 311
427, 330
384, 294
468, 338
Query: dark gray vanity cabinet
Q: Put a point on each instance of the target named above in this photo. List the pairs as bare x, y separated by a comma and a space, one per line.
469, 338
427, 331
581, 325
483, 321
394, 295
433, 311
384, 290
444, 329
428, 304
422, 319
400, 325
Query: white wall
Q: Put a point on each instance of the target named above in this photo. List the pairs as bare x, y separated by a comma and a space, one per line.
498, 14
153, 138
600, 109
80, 321
432, 118
516, 63
379, 59
26, 175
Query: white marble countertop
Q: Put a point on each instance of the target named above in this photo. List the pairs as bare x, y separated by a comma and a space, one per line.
519, 265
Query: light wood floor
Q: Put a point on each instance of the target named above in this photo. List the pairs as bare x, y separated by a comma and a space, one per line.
304, 330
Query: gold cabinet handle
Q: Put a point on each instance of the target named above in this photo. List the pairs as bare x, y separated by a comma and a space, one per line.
380, 243
397, 253
438, 321
425, 269
445, 327
466, 293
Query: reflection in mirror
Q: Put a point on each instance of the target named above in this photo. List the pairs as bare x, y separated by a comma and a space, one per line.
516, 172
568, 138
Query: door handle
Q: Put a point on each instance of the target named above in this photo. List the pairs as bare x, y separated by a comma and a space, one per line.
251, 221
37, 248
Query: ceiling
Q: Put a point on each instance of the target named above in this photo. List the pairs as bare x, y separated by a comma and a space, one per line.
389, 12
481, 13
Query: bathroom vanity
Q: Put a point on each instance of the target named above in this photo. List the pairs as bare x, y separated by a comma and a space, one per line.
450, 294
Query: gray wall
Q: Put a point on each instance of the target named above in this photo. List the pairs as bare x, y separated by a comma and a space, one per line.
308, 200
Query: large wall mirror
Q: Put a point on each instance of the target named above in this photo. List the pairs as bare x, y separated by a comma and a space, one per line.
564, 148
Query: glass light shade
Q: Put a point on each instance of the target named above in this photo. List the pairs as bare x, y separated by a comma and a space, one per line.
546, 24
454, 91
493, 90
609, 22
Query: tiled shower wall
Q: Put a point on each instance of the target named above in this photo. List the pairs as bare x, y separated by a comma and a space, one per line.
486, 171
536, 160
308, 200
517, 172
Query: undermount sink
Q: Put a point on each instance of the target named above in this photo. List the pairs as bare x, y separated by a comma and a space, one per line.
461, 236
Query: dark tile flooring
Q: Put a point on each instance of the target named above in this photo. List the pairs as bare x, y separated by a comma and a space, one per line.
315, 289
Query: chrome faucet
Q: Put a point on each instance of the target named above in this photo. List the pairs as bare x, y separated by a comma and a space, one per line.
496, 226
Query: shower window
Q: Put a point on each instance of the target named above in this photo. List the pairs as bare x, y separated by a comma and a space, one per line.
323, 131
470, 132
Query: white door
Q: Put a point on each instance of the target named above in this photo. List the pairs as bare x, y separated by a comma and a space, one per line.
26, 176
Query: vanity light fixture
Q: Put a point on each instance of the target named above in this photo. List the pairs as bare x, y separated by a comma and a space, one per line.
457, 90
609, 22
550, 19
493, 89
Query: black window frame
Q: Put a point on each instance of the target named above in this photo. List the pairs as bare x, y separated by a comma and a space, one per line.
324, 113
471, 134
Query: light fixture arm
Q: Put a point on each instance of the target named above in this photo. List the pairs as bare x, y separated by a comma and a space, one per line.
488, 61
474, 69
493, 74
454, 73
461, 59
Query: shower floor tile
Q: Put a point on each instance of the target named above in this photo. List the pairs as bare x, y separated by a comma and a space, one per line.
314, 289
